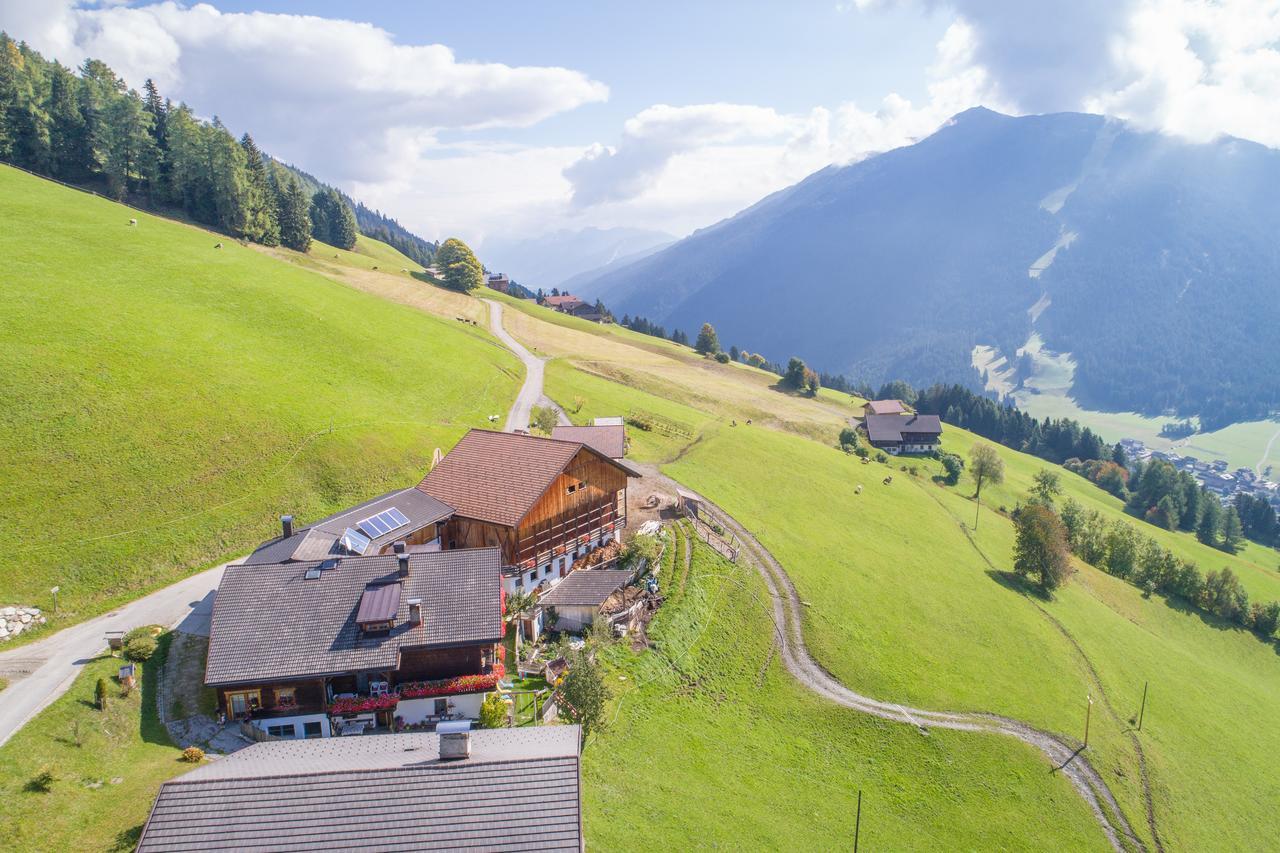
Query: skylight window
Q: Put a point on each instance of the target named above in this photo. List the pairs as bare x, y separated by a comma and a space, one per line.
383, 523
354, 542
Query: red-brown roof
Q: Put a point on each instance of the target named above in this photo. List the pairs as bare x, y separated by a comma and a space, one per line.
561, 301
610, 440
498, 476
886, 407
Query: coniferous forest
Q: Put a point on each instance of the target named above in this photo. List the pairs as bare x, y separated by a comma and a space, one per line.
87, 128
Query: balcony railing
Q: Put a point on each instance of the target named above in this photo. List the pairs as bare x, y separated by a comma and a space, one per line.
562, 537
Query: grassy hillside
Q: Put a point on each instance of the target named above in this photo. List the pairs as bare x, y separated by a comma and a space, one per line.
712, 745
104, 767
905, 606
168, 400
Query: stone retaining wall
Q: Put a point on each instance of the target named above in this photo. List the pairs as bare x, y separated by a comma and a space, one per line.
14, 620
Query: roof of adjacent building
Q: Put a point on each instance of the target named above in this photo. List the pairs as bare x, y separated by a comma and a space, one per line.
561, 301
890, 428
585, 588
497, 477
319, 540
272, 622
390, 792
885, 407
608, 439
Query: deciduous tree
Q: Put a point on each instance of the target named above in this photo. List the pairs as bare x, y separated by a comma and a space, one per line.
985, 466
458, 266
1041, 548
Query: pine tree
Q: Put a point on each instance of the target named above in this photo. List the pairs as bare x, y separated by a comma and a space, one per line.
295, 211
1207, 531
229, 178
342, 222
131, 155
1232, 533
262, 222
68, 145
708, 343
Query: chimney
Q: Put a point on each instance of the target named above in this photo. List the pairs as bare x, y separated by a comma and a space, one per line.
415, 611
455, 746
286, 526
399, 546
403, 568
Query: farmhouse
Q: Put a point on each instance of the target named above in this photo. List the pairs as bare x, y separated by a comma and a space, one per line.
306, 649
542, 501
565, 303
495, 789
907, 433
499, 282
608, 439
405, 515
884, 407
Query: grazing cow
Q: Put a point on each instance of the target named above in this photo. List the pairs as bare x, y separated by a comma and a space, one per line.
858, 490
375, 267
888, 480
217, 245
133, 222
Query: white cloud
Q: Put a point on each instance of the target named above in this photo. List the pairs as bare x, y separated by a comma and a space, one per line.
342, 98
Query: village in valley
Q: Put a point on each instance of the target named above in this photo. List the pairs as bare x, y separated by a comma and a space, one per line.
1214, 476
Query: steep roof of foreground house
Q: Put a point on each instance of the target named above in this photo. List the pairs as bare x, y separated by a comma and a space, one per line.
303, 619
608, 439
406, 509
497, 477
389, 792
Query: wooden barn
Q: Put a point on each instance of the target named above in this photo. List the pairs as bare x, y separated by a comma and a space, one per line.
542, 501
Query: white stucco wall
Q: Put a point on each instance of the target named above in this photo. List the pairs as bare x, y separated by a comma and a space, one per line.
417, 710
297, 722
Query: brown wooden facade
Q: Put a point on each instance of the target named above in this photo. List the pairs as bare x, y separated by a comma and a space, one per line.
310, 696
590, 495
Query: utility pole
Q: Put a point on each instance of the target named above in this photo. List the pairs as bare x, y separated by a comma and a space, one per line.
1142, 710
857, 823
1088, 712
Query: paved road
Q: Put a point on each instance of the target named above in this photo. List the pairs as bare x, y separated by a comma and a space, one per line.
42, 671
531, 391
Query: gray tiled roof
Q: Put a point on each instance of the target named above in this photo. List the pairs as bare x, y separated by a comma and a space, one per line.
319, 539
890, 428
585, 588
271, 623
519, 790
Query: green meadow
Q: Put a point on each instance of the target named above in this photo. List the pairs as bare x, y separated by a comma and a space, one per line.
167, 400
904, 605
710, 744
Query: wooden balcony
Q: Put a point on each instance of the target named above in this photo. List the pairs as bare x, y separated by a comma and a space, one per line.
546, 542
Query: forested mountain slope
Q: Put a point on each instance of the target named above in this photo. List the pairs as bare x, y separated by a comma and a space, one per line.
1161, 287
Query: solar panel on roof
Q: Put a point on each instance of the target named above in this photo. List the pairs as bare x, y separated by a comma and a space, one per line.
354, 542
312, 574
383, 523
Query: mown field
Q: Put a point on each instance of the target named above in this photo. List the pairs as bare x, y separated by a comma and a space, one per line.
166, 401
903, 605
711, 745
78, 778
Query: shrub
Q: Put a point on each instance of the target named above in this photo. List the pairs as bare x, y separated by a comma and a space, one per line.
543, 418
140, 648
493, 712
881, 457
100, 694
722, 357
578, 403
144, 631
42, 782
954, 466
193, 755
640, 548
861, 452
1265, 618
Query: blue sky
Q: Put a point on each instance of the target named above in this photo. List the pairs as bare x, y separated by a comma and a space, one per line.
486, 119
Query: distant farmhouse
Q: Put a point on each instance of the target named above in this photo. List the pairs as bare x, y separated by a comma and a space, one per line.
890, 427
572, 305
499, 282
412, 791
